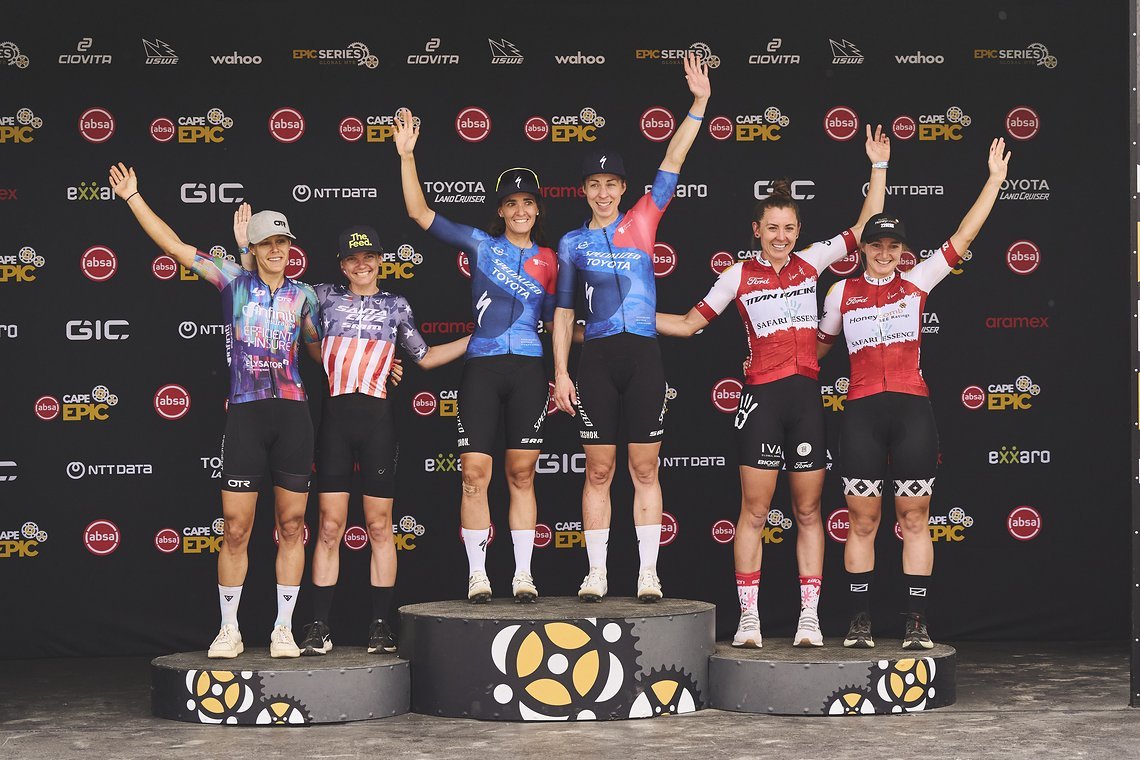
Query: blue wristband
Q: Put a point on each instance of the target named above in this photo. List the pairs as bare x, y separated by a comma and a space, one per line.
696, 118
243, 249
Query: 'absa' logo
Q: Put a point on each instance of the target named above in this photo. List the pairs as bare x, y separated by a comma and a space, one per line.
99, 263
838, 523
355, 537
657, 124
664, 259
841, 123
286, 125
1024, 523
298, 262
96, 125
473, 124
172, 402
669, 529
726, 395
164, 267
424, 403
1023, 257
720, 261
102, 537
723, 531
543, 535
1022, 123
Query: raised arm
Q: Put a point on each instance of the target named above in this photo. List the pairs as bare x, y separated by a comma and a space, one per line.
565, 396
681, 325
241, 237
125, 184
972, 223
879, 152
407, 129
697, 77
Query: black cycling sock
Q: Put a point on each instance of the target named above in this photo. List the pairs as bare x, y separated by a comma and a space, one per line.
859, 593
381, 601
917, 590
322, 601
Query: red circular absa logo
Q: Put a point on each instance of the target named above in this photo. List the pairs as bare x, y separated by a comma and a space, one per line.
298, 262
838, 523
1024, 523
720, 261
664, 259
47, 407
424, 403
167, 541
846, 265
841, 123
657, 124
164, 267
286, 125
720, 128
99, 263
96, 125
162, 129
102, 537
723, 531
726, 395
973, 397
1022, 123
464, 264
473, 124
669, 528
1023, 257
355, 537
536, 129
904, 128
172, 402
543, 535
907, 261
351, 128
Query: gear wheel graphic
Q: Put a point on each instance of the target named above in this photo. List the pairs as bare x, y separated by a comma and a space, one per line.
850, 700
222, 696
283, 710
669, 691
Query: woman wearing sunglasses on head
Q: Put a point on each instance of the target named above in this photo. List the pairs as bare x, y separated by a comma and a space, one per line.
513, 280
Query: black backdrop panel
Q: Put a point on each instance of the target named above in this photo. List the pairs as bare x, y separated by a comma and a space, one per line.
107, 510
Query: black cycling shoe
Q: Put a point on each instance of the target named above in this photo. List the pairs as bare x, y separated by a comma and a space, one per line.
916, 636
317, 640
380, 638
859, 634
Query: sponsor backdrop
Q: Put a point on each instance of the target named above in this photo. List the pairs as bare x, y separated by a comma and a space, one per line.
115, 374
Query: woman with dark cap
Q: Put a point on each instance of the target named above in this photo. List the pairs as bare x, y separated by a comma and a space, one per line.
779, 422
888, 424
512, 289
360, 327
620, 375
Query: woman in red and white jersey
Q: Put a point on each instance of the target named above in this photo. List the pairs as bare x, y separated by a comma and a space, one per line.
887, 415
779, 422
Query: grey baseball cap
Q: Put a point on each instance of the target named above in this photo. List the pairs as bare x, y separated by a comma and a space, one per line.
265, 224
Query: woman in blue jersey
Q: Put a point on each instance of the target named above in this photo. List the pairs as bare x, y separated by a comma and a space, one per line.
512, 288
360, 327
267, 316
620, 375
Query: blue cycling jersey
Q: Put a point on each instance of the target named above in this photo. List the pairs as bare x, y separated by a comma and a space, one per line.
616, 263
511, 289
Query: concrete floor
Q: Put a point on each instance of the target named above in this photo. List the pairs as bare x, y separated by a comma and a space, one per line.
1014, 701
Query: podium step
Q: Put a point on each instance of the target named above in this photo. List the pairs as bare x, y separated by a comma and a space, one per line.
255, 689
784, 680
558, 658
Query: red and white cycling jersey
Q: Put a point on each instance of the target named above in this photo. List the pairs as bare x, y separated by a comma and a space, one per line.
779, 309
882, 319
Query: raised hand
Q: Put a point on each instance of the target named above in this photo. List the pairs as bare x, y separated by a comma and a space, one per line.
998, 158
878, 145
241, 225
407, 129
697, 77
123, 180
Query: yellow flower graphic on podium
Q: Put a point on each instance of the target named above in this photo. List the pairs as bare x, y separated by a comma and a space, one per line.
564, 670
906, 685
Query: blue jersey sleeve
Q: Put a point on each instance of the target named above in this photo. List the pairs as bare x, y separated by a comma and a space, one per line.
566, 275
663, 186
459, 235
311, 327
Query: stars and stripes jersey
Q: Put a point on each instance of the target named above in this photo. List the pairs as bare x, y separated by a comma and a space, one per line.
882, 320
511, 289
616, 266
263, 329
779, 309
360, 337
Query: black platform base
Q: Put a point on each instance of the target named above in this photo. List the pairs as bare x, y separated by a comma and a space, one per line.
559, 658
784, 680
255, 689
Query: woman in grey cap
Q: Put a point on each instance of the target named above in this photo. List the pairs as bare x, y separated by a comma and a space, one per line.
512, 289
360, 327
888, 423
267, 317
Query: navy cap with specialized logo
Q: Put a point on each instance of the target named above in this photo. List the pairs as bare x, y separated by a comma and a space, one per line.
358, 239
883, 225
602, 162
517, 180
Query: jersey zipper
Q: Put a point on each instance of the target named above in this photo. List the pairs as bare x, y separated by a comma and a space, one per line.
272, 311
617, 280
